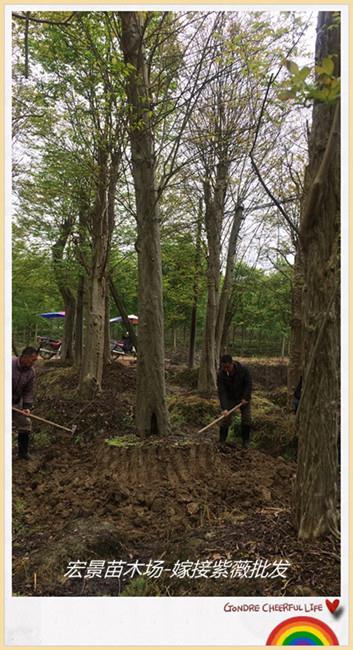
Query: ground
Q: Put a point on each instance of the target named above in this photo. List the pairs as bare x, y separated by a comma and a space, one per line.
105, 495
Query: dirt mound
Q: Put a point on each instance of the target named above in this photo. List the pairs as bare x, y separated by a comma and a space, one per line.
177, 501
183, 376
108, 496
273, 426
267, 374
111, 412
190, 411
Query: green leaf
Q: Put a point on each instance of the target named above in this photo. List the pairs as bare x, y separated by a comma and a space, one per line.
327, 66
292, 67
304, 73
320, 95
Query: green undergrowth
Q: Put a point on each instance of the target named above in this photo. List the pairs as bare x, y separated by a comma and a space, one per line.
43, 437
191, 410
186, 377
272, 425
18, 516
279, 396
124, 441
272, 428
59, 382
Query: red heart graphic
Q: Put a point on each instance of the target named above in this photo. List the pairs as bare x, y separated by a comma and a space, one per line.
332, 606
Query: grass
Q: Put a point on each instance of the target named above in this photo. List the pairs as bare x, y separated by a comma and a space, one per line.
18, 516
191, 409
43, 438
124, 441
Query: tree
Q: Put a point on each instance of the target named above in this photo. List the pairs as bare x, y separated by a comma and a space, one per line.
228, 280
222, 132
82, 82
34, 289
163, 88
47, 210
151, 414
196, 287
317, 423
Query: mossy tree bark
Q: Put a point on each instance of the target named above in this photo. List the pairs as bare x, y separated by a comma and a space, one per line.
214, 195
59, 266
228, 282
196, 287
318, 423
78, 339
151, 408
101, 226
295, 366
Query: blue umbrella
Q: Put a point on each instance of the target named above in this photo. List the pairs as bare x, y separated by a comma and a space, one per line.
53, 314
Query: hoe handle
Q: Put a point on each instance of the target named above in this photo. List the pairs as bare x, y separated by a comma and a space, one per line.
36, 417
221, 418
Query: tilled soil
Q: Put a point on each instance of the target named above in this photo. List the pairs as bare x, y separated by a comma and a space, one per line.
175, 500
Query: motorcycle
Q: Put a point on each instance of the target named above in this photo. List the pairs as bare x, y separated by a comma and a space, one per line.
119, 349
48, 347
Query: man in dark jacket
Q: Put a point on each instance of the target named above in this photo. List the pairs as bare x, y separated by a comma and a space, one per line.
23, 376
234, 387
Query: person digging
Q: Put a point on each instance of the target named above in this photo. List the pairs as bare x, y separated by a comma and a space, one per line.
23, 378
234, 385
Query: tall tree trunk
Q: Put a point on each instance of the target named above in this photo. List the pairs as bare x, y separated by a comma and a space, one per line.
174, 337
295, 366
107, 354
228, 282
85, 320
92, 361
226, 327
213, 219
151, 407
207, 373
102, 228
67, 352
196, 288
283, 347
119, 303
192, 339
318, 422
81, 296
78, 342
67, 295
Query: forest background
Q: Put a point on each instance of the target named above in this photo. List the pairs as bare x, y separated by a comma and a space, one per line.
166, 164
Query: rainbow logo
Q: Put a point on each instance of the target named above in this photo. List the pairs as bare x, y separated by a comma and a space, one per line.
302, 630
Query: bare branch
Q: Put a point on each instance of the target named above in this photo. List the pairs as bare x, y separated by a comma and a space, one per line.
43, 20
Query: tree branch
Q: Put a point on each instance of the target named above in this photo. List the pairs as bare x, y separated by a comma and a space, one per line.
43, 20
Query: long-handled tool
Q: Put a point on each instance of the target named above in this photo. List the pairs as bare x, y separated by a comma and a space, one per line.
222, 417
53, 424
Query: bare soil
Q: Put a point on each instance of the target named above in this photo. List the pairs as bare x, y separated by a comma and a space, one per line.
106, 495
